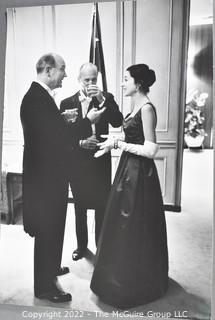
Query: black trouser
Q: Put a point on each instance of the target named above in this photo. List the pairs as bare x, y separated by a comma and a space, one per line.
81, 224
48, 248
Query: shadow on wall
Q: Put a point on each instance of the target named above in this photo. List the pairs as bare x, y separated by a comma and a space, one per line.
201, 67
202, 64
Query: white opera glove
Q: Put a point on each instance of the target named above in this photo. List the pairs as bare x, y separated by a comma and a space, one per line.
148, 149
101, 152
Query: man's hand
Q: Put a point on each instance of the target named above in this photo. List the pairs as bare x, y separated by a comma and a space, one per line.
94, 91
70, 115
89, 143
95, 114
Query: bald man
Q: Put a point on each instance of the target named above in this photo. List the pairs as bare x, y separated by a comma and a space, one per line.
48, 140
90, 178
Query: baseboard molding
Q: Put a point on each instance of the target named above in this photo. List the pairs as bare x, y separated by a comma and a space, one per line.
170, 207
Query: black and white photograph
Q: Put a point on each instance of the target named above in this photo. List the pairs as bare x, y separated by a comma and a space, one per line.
106, 200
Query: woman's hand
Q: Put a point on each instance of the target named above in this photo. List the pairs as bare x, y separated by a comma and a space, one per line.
106, 146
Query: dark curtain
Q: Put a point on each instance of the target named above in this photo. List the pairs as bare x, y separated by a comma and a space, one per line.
200, 67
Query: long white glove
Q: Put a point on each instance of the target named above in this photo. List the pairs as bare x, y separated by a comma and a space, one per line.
148, 149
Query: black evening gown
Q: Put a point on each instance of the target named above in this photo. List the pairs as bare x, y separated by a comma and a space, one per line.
131, 266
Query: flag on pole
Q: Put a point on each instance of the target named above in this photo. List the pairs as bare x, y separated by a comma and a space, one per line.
96, 50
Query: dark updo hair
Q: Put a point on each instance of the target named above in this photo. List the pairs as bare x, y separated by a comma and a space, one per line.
143, 76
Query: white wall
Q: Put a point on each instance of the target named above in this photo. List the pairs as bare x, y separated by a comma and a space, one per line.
149, 31
33, 31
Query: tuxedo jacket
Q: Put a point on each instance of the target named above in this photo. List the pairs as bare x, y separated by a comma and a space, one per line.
90, 178
48, 140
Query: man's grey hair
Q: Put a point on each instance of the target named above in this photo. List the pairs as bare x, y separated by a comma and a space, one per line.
46, 59
86, 66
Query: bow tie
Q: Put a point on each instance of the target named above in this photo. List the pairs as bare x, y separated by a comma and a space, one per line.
83, 98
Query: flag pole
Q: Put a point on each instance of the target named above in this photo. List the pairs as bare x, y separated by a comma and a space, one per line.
94, 32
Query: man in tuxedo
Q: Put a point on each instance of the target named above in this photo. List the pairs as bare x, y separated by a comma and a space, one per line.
90, 177
48, 140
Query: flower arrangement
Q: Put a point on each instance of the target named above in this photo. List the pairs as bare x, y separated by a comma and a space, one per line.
194, 114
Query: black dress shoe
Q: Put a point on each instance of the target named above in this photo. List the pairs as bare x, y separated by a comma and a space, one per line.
56, 296
78, 254
62, 271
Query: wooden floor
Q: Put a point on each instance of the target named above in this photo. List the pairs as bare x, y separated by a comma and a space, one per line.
190, 256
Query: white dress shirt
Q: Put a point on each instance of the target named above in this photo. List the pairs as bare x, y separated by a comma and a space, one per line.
85, 102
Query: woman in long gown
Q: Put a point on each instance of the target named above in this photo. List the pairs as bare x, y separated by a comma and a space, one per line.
131, 265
